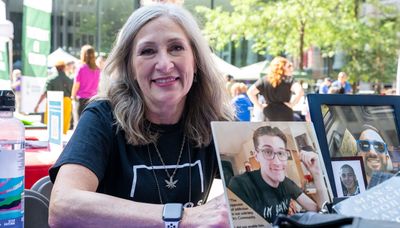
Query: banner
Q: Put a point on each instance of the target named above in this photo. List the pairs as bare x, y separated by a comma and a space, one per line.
31, 89
4, 71
36, 37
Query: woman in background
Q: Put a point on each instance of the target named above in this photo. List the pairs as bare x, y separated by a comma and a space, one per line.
87, 80
277, 88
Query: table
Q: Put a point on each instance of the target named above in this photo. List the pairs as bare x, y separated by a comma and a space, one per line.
38, 161
37, 164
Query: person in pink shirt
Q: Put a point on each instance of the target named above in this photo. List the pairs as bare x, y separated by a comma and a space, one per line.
87, 79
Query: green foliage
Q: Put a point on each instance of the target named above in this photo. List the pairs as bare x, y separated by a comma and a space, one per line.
281, 26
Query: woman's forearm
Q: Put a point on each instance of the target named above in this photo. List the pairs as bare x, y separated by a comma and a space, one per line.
252, 94
81, 208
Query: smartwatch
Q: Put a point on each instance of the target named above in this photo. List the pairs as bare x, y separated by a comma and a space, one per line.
172, 214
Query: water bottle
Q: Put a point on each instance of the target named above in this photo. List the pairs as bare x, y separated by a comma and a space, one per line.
12, 163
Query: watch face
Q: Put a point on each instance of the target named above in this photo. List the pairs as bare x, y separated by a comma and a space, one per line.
172, 212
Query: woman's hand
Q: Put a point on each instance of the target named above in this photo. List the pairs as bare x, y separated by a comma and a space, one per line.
212, 214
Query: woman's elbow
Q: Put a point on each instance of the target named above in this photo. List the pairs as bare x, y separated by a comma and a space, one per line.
55, 217
58, 210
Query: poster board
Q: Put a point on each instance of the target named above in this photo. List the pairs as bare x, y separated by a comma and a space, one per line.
31, 89
357, 125
239, 160
55, 119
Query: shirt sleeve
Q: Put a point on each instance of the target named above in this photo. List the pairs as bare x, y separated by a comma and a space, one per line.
91, 143
48, 85
79, 74
294, 190
237, 186
259, 84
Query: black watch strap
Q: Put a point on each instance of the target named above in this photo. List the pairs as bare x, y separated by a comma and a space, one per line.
171, 224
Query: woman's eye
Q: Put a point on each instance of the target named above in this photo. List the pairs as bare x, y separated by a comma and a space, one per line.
147, 51
177, 48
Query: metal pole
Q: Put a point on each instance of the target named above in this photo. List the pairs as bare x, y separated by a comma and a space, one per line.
212, 4
98, 29
55, 25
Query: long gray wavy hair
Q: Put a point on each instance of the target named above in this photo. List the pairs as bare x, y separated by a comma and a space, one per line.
206, 100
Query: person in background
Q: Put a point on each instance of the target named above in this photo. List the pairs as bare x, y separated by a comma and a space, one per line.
268, 191
349, 181
100, 61
70, 69
16, 87
241, 101
342, 83
229, 81
145, 141
87, 79
61, 82
277, 88
374, 151
325, 85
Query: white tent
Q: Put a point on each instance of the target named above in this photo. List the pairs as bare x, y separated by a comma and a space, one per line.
6, 30
227, 68
254, 71
60, 55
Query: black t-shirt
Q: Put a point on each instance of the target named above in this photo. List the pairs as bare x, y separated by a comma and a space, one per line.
60, 83
267, 201
126, 171
275, 98
279, 94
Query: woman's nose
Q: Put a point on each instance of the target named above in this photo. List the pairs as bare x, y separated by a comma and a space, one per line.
164, 62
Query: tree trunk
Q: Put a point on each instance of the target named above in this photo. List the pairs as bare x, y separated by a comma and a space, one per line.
301, 46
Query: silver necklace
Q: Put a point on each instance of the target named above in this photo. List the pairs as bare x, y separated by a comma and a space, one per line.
189, 203
171, 183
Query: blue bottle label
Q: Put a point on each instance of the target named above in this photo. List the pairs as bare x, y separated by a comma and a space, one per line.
12, 171
11, 203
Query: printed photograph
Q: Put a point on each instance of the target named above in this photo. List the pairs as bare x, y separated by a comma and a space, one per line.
349, 176
365, 131
270, 168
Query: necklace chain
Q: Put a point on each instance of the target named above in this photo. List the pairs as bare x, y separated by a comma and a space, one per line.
171, 183
188, 204
155, 177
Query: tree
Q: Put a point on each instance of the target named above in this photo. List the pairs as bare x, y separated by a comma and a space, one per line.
373, 44
291, 26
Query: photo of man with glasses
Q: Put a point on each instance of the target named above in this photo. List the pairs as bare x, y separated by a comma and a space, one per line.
374, 151
268, 190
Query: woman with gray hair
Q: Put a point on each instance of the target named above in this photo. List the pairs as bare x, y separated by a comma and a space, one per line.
143, 149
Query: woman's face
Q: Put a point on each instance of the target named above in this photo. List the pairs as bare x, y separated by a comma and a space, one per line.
288, 69
163, 63
348, 178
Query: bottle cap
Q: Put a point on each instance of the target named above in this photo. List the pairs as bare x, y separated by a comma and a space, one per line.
7, 100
